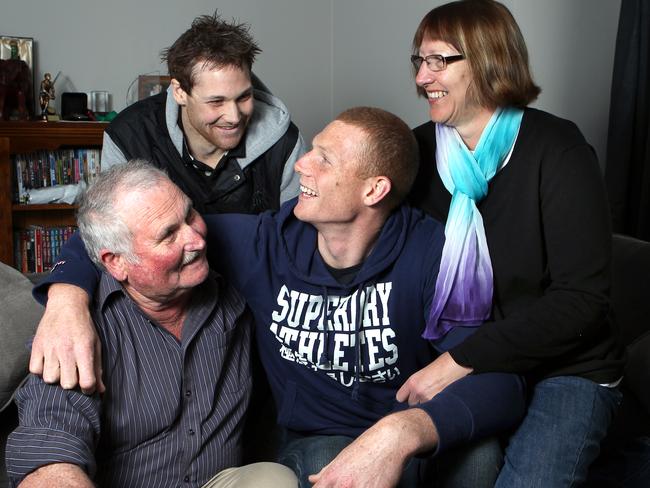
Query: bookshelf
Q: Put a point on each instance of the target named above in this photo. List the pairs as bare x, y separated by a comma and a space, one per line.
23, 137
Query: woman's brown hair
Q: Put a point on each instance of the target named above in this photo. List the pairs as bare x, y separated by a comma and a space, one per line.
486, 33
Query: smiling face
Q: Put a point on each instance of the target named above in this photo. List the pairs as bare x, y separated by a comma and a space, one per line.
446, 90
169, 243
217, 112
331, 192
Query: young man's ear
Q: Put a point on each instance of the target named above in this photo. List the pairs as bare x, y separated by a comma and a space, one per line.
377, 190
115, 264
180, 95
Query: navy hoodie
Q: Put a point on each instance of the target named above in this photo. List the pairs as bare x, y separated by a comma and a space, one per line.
335, 355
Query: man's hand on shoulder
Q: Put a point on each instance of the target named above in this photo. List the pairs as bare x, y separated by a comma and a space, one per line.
377, 457
66, 348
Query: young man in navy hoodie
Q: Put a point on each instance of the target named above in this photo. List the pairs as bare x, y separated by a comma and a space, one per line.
340, 282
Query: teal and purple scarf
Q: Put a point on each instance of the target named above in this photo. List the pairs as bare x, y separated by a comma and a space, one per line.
463, 295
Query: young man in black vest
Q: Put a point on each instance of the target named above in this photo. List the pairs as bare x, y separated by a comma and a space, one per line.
221, 136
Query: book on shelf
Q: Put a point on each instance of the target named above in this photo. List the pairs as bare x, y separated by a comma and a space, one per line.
36, 247
54, 176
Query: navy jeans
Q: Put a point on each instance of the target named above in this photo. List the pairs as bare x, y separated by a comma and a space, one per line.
474, 466
560, 436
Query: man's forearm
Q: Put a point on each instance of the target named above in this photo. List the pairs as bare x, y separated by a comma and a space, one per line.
413, 429
73, 267
476, 407
378, 456
61, 475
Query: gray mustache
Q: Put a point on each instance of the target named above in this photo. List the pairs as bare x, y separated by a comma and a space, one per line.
191, 256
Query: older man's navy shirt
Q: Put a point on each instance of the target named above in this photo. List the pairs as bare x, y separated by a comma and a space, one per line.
173, 410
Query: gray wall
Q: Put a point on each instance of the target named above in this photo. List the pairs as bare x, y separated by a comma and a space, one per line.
320, 56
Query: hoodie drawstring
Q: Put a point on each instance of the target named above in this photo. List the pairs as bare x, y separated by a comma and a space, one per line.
361, 305
326, 315
324, 360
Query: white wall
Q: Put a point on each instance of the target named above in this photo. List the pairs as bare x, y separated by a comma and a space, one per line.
571, 46
321, 56
105, 45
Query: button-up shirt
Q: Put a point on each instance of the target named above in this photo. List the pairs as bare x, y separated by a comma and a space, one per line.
172, 414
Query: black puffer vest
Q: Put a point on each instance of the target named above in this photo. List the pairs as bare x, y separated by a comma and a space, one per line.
140, 131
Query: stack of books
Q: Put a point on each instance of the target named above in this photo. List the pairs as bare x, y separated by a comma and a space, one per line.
46, 169
37, 247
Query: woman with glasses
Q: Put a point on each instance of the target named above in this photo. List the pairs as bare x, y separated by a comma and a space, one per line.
527, 250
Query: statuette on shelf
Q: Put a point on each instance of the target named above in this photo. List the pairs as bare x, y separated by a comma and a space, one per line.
45, 95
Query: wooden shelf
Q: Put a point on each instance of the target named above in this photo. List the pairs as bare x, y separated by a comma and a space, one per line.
22, 137
31, 136
49, 207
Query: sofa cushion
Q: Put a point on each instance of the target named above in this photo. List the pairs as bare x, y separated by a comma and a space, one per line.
630, 297
19, 316
637, 373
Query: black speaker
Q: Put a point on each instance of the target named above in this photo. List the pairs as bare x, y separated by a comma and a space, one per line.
74, 106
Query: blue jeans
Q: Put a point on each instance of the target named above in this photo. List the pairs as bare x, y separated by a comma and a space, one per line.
560, 436
473, 466
307, 455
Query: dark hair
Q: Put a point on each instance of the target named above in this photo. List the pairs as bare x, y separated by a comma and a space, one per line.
212, 42
390, 149
486, 33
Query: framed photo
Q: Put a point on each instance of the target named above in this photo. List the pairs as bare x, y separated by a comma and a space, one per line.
149, 85
16, 78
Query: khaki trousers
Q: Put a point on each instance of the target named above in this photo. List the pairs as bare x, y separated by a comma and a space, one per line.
257, 475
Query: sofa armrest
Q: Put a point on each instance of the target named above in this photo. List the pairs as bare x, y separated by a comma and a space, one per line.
19, 316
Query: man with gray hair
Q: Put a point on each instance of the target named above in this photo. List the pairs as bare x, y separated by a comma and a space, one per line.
175, 345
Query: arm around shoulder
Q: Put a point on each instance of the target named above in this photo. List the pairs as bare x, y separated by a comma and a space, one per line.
73, 266
66, 347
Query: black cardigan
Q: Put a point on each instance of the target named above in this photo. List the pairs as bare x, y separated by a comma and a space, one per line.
547, 226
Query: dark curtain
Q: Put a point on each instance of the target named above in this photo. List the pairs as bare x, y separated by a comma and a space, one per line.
627, 172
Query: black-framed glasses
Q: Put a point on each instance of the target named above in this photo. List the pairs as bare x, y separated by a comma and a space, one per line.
435, 62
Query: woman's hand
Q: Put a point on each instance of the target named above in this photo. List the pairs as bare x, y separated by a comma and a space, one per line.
66, 348
431, 380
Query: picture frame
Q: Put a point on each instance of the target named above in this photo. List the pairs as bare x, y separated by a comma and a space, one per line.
17, 101
149, 85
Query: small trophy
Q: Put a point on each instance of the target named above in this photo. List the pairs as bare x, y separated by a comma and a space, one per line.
46, 94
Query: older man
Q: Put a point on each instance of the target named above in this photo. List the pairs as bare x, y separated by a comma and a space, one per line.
340, 282
175, 348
